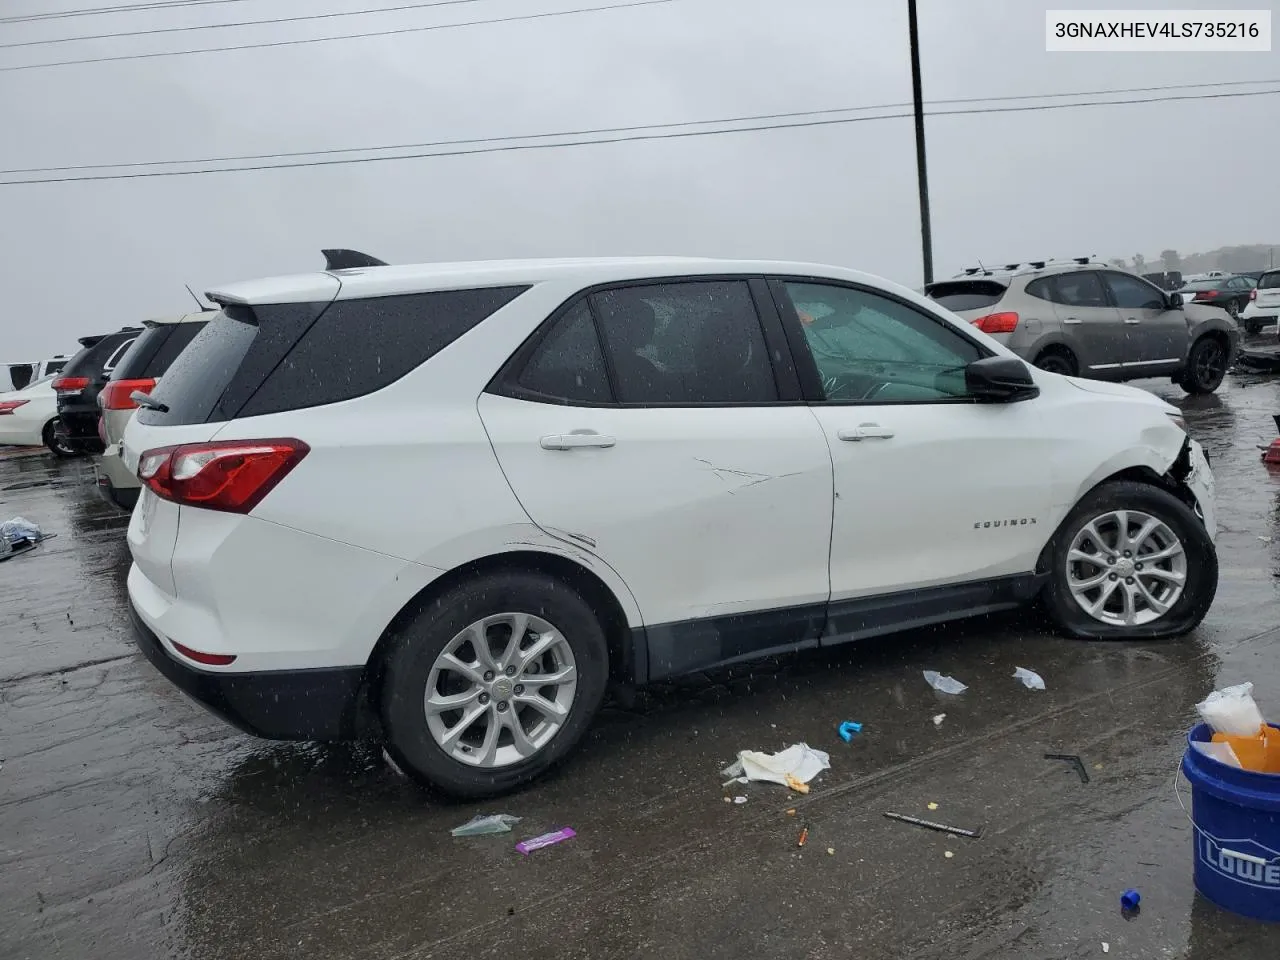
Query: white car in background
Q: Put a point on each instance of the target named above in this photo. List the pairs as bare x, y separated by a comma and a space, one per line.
444, 505
1263, 307
28, 416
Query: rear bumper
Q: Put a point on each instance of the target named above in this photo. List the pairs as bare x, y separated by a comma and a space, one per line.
320, 704
115, 483
79, 431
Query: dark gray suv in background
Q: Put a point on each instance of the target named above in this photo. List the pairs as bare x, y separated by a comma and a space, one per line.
1088, 319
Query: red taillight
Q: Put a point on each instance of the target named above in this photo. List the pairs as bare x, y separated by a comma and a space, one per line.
69, 384
117, 394
212, 659
1206, 294
997, 323
229, 475
8, 406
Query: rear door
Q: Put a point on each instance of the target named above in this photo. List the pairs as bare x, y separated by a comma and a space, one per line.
658, 427
1156, 338
1090, 323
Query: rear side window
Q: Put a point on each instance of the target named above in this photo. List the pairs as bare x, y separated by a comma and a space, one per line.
180, 335
568, 365
1083, 289
90, 361
359, 346
962, 295
277, 357
686, 343
1269, 281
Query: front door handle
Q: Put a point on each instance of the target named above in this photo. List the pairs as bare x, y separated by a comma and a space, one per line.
1072, 320
1132, 320
572, 441
866, 431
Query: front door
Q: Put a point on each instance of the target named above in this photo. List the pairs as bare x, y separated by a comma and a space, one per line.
1156, 338
933, 491
648, 429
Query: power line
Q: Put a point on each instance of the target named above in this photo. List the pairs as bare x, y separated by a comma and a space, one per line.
241, 23
797, 114
119, 8
631, 138
349, 36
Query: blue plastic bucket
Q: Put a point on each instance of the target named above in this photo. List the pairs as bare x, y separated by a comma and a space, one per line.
1236, 815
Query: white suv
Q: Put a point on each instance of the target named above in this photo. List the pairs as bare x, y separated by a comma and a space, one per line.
445, 505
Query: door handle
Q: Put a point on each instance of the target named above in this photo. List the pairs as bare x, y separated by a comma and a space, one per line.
1132, 320
572, 441
866, 431
1071, 320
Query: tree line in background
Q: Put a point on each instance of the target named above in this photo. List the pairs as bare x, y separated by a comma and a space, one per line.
1242, 259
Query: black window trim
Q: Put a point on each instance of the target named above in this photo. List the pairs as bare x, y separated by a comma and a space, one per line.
506, 382
807, 367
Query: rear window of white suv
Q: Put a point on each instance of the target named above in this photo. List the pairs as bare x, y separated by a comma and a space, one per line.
1269, 281
270, 358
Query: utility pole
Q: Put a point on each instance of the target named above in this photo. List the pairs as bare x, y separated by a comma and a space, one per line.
926, 232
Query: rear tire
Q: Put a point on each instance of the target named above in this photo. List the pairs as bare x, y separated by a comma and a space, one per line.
1058, 360
1206, 366
56, 446
423, 739
1150, 578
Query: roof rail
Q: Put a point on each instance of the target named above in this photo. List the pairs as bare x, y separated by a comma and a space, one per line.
340, 259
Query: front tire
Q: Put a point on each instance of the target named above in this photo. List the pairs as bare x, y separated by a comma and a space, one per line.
1130, 562
492, 684
1058, 360
56, 445
1206, 366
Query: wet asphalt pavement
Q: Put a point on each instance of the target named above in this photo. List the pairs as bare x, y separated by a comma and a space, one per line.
135, 825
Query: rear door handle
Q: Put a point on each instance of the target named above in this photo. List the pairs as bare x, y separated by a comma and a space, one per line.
572, 441
1072, 320
1132, 320
866, 431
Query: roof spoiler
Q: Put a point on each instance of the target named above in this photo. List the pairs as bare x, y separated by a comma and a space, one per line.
90, 341
349, 259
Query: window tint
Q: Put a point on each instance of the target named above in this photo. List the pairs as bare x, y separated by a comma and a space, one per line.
1083, 289
1043, 289
688, 342
569, 364
117, 355
870, 348
199, 377
1130, 293
54, 366
133, 365
180, 335
967, 294
359, 346
1269, 281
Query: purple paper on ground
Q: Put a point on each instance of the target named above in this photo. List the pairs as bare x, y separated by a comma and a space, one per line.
546, 840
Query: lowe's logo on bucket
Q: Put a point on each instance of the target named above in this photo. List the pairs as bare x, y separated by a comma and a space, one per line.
1258, 867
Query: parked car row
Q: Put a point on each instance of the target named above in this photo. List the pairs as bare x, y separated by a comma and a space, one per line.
1082, 318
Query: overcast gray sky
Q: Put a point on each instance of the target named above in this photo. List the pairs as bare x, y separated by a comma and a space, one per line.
83, 258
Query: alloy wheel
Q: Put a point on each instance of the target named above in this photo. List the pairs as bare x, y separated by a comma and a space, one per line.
1210, 363
500, 690
1126, 568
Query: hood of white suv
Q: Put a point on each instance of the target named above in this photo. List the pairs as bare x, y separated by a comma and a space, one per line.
1121, 390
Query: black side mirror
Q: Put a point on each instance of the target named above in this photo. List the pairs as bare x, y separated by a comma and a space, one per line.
1175, 301
999, 380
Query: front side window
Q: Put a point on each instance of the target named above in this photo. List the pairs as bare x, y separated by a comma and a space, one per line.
1130, 293
870, 348
687, 342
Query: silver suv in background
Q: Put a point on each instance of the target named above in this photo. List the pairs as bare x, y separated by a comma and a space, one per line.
1088, 319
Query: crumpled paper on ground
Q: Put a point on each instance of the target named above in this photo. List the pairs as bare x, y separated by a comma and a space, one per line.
943, 684
1030, 679
799, 761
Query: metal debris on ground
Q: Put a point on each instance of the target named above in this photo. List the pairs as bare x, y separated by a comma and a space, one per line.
848, 729
944, 684
940, 827
546, 840
1072, 759
1030, 679
798, 762
481, 825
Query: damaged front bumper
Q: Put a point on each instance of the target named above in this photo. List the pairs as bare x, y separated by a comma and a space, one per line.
1192, 470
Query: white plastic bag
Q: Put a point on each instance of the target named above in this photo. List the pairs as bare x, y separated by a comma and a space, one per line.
943, 684
1231, 711
480, 825
1030, 679
799, 761
1221, 752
